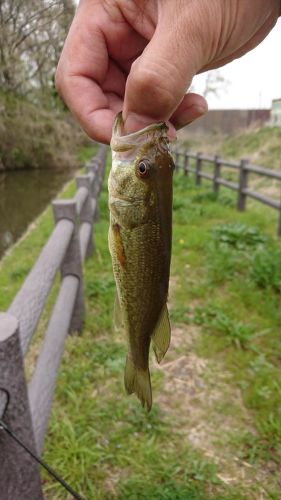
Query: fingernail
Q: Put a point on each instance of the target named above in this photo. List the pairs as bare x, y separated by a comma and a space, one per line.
199, 111
135, 122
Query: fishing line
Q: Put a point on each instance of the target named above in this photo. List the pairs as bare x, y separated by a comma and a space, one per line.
52, 472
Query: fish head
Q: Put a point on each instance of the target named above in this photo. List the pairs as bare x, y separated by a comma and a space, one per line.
140, 181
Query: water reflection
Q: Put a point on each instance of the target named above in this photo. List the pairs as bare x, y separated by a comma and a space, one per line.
23, 196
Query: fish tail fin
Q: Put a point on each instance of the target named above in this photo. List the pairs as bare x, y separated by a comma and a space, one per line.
138, 381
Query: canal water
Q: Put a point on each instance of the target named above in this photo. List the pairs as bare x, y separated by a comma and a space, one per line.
24, 194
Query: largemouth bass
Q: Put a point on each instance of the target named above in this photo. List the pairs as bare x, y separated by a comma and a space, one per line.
140, 204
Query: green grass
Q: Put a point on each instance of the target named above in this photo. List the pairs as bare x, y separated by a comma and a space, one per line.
237, 265
227, 284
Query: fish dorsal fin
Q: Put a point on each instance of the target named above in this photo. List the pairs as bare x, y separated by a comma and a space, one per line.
161, 335
117, 314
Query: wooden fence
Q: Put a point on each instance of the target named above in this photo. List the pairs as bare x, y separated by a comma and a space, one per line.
243, 169
29, 405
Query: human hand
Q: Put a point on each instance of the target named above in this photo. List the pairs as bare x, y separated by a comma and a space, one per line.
141, 56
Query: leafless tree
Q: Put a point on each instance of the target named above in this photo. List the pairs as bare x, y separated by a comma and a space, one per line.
31, 37
215, 83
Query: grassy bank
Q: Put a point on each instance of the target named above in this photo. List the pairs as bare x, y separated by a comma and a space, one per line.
32, 137
214, 430
261, 146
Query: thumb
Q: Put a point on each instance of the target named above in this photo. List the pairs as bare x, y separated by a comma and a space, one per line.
157, 83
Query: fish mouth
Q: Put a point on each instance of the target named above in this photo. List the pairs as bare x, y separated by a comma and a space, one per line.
124, 142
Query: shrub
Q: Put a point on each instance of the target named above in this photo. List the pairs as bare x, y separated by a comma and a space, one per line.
32, 137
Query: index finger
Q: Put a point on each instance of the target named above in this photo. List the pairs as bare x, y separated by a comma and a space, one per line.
87, 80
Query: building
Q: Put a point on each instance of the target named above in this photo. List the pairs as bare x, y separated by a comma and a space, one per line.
275, 113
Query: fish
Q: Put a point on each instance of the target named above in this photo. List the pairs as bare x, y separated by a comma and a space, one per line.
140, 188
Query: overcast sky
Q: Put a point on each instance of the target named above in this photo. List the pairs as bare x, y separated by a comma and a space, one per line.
255, 79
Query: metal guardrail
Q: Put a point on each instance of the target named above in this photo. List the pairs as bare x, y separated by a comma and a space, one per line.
27, 407
243, 168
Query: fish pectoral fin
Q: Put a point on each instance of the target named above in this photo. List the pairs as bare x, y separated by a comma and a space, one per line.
117, 314
161, 335
138, 381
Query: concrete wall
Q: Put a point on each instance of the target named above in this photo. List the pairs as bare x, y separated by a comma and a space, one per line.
229, 120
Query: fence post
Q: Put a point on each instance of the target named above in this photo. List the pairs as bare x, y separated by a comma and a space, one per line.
19, 473
71, 264
86, 214
243, 181
217, 174
92, 168
198, 169
186, 164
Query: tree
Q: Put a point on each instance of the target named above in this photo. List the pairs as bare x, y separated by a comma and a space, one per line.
213, 84
32, 33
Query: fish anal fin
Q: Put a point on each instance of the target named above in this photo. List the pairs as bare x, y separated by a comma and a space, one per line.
161, 335
138, 381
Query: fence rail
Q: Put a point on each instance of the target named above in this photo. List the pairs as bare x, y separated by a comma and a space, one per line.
243, 168
27, 413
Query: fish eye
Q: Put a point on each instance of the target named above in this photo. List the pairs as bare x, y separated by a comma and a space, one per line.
143, 168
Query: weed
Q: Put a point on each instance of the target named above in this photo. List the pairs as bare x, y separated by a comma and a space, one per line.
256, 450
266, 268
235, 332
223, 263
100, 287
179, 315
226, 199
19, 273
186, 211
205, 196
238, 236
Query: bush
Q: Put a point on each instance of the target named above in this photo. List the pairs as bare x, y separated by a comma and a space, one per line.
32, 137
